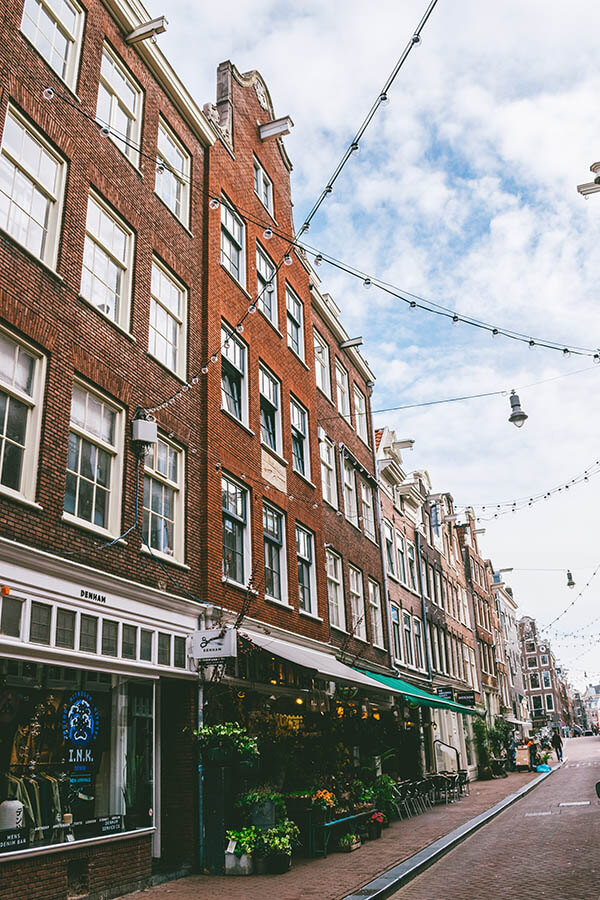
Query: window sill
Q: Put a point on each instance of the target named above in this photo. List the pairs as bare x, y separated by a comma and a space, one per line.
340, 629
332, 506
163, 365
175, 216
164, 557
304, 478
280, 603
7, 494
299, 358
350, 522
32, 256
237, 283
229, 582
274, 454
89, 526
273, 325
326, 395
307, 615
106, 318
237, 421
362, 640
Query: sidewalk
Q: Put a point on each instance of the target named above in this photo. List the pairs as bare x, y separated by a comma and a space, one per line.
342, 874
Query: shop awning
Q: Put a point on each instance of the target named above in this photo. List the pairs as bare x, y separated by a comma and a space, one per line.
325, 664
417, 696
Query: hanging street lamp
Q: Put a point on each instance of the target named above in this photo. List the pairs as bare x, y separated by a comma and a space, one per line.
517, 416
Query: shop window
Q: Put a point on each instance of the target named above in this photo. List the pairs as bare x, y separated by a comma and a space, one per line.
39, 631
120, 105
164, 649
129, 642
266, 285
179, 652
146, 645
168, 313
110, 637
10, 620
65, 628
172, 182
88, 634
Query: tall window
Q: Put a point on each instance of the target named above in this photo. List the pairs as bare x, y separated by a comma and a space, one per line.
350, 505
328, 471
408, 639
343, 395
91, 493
163, 500
295, 321
233, 243
537, 702
300, 447
418, 634
274, 553
357, 603
335, 590
120, 105
263, 186
21, 384
534, 681
54, 29
360, 415
546, 679
322, 371
549, 702
376, 616
234, 391
234, 500
368, 515
412, 568
107, 262
31, 188
266, 285
388, 537
168, 304
270, 410
396, 632
306, 588
172, 182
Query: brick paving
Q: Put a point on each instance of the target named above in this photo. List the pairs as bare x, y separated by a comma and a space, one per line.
534, 849
341, 874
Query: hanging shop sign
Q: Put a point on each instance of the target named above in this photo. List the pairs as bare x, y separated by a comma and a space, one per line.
465, 698
447, 693
213, 644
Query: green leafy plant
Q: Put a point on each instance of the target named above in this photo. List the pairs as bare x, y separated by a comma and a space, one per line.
229, 738
346, 840
261, 795
280, 839
480, 731
245, 838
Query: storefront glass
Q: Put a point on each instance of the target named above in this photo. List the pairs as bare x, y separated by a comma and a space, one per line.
76, 754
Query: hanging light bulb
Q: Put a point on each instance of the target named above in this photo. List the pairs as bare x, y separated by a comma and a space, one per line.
597, 358
416, 38
384, 99
495, 332
517, 416
367, 283
455, 319
570, 582
105, 130
318, 259
287, 260
531, 344
252, 309
160, 168
305, 227
204, 370
48, 93
566, 352
214, 358
413, 304
268, 233
214, 203
354, 148
239, 328
270, 287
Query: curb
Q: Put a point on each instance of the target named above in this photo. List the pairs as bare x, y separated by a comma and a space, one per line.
400, 874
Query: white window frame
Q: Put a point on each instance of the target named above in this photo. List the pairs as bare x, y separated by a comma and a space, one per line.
550, 703
298, 412
541, 699
328, 471
54, 198
244, 522
115, 451
409, 648
474, 678
546, 680
307, 557
544, 659
396, 635
262, 180
390, 549
322, 364
72, 35
272, 397
179, 318
418, 642
34, 403
376, 617
335, 590
177, 486
295, 320
342, 391
228, 237
282, 555
412, 572
128, 144
401, 557
124, 265
358, 612
367, 510
234, 356
350, 493
536, 676
361, 417
166, 169
266, 277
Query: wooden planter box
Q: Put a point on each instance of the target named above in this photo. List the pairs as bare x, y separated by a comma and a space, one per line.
349, 847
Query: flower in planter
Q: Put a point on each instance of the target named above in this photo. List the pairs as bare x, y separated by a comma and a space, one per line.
323, 799
377, 817
346, 841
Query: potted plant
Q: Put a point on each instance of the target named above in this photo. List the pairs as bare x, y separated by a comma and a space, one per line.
385, 796
264, 806
226, 743
238, 855
349, 842
323, 803
374, 825
279, 842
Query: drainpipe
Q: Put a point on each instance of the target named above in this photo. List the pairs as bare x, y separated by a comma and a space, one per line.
423, 606
200, 722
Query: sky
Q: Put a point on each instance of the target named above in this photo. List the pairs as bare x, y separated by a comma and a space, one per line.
464, 192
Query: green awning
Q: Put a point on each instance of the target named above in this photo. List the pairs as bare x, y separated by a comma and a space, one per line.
417, 696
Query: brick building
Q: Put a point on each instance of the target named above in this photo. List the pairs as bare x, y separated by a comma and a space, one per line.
506, 607
542, 678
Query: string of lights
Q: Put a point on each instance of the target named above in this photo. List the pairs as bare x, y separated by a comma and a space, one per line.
573, 602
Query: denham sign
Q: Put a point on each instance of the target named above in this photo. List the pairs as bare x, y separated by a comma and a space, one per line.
213, 644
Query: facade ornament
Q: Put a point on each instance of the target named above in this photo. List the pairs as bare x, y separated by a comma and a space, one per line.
261, 94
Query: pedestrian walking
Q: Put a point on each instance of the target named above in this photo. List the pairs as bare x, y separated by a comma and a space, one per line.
557, 744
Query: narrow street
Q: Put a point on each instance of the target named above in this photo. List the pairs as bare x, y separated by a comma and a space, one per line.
542, 846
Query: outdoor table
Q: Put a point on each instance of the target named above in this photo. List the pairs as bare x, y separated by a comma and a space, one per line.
325, 829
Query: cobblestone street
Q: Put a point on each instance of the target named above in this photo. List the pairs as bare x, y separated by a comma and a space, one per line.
544, 846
